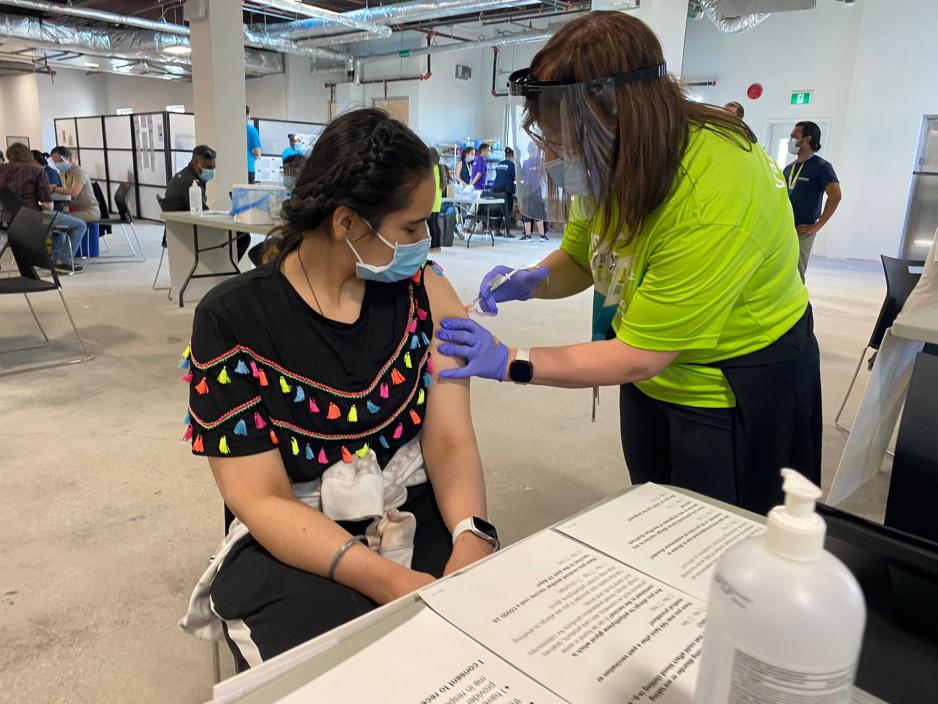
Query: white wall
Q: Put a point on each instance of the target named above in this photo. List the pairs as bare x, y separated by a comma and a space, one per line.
68, 94
146, 94
19, 110
491, 121
267, 96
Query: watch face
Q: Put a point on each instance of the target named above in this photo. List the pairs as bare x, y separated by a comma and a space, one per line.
521, 372
485, 527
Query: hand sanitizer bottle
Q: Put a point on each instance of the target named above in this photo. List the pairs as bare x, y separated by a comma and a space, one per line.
785, 618
195, 199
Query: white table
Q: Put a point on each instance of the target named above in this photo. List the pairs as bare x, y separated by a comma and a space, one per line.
464, 204
206, 243
920, 325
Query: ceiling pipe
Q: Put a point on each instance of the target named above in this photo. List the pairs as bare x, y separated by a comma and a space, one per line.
347, 19
252, 38
398, 13
729, 25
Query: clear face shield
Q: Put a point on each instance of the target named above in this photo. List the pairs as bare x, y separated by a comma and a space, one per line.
567, 136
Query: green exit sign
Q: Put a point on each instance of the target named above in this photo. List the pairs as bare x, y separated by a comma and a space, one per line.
802, 97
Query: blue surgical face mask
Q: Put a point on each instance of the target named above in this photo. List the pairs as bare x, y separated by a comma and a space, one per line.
62, 166
405, 262
207, 175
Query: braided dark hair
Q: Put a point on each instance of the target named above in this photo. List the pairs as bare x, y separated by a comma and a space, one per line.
363, 160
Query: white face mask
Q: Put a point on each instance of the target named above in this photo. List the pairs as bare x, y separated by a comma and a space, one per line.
793, 145
571, 175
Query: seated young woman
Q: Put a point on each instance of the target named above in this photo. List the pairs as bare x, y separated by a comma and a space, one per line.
352, 472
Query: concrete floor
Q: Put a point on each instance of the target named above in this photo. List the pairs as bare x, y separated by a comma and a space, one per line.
107, 519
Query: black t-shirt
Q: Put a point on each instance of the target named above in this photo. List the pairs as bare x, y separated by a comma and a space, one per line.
806, 189
267, 370
177, 190
464, 171
504, 177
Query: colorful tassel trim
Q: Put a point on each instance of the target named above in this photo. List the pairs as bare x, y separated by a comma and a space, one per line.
313, 408
188, 434
309, 453
437, 269
414, 342
242, 368
223, 446
426, 340
407, 362
186, 419
353, 414
418, 277
262, 377
259, 421
202, 387
187, 377
346, 455
184, 363
420, 397
223, 377
254, 371
273, 437
334, 412
412, 326
422, 314
322, 459
384, 391
186, 353
414, 417
384, 443
430, 364
363, 450
284, 386
396, 377
294, 446
241, 428
398, 431
427, 380
372, 408
300, 395
198, 445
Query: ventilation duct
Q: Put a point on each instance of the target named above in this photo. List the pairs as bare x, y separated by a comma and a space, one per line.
399, 13
119, 44
730, 25
347, 20
252, 38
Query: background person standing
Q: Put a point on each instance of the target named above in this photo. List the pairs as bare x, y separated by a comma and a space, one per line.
809, 177
254, 144
292, 150
480, 167
505, 186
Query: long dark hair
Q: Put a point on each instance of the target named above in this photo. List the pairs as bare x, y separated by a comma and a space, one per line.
653, 116
364, 160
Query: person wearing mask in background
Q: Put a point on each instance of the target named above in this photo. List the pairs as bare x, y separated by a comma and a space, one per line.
292, 150
30, 185
433, 222
480, 168
254, 144
809, 177
681, 225
505, 185
464, 172
52, 173
75, 183
200, 170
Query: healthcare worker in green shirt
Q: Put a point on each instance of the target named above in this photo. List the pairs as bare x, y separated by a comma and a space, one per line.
681, 224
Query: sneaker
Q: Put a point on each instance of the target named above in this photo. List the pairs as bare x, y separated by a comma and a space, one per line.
67, 269
544, 238
525, 238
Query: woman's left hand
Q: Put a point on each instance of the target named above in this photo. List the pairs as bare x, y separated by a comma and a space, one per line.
468, 549
485, 356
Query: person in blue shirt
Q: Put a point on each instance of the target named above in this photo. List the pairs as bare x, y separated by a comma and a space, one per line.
809, 177
55, 179
504, 184
254, 143
292, 150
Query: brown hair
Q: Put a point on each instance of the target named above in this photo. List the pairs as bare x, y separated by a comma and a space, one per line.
19, 152
654, 116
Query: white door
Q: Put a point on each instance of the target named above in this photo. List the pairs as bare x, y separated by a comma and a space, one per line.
776, 143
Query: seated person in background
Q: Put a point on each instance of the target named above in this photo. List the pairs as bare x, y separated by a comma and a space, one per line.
353, 472
201, 170
292, 150
30, 185
75, 183
52, 173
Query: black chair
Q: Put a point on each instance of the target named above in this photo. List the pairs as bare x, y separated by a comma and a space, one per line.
900, 280
28, 235
914, 483
106, 224
156, 276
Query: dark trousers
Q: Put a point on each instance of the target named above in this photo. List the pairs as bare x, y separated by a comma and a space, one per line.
667, 443
269, 607
251, 176
433, 223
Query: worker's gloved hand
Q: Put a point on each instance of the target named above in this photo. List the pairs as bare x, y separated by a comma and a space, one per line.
486, 357
519, 287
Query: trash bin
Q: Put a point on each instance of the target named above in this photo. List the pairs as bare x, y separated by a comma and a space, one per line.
448, 228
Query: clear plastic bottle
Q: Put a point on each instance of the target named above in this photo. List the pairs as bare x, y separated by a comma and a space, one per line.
785, 618
195, 199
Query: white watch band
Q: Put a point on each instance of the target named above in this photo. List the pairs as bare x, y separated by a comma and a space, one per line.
523, 354
461, 527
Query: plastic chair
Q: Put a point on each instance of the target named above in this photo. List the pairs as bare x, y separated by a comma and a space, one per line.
914, 483
28, 234
900, 281
124, 219
168, 289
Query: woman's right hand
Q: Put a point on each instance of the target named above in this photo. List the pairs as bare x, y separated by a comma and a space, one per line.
404, 582
520, 287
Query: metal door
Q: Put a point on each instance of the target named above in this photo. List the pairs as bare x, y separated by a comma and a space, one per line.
921, 218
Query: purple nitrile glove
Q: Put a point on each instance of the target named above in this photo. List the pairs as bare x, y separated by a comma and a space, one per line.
486, 357
519, 287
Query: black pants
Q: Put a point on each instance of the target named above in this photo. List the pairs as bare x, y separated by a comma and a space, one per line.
668, 443
269, 607
433, 223
251, 176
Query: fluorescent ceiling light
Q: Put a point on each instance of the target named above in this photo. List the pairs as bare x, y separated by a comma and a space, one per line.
178, 50
92, 64
922, 243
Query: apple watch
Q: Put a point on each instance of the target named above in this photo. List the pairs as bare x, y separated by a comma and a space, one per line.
479, 527
521, 371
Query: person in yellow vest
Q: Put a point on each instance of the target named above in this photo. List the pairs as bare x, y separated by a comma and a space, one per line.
433, 222
682, 228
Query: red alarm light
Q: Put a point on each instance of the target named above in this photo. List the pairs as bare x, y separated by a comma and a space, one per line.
754, 91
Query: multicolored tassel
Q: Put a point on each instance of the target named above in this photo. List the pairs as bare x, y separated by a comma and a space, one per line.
372, 408
414, 342
241, 428
284, 386
187, 377
309, 453
202, 386
223, 446
184, 363
223, 377
407, 362
254, 371
313, 408
186, 353
427, 380
300, 395
188, 434
420, 397
412, 326
242, 368
396, 377
429, 364
346, 455
363, 450
418, 277
398, 431
353, 414
262, 377
383, 393
322, 459
437, 269
259, 421
273, 437
294, 446
422, 314
414, 417
186, 419
334, 412
198, 445
384, 443
426, 340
